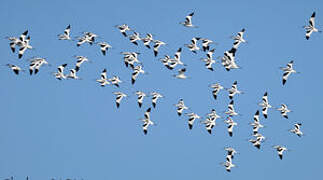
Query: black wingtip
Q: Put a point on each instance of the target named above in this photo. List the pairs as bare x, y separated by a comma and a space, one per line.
265, 115
209, 131
313, 15
230, 134
179, 114
133, 81
145, 131
257, 146
284, 81
118, 105
280, 157
190, 126
155, 53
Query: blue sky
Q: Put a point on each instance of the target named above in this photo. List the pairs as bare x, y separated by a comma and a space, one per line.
72, 129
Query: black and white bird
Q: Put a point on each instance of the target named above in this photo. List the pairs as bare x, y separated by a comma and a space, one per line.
35, 64
228, 60
103, 78
154, 97
134, 38
257, 142
119, 97
72, 75
147, 121
180, 107
297, 130
136, 71
104, 46
213, 115
206, 44
181, 74
172, 63
130, 58
115, 80
80, 61
284, 110
234, 90
66, 34
191, 119
230, 153
228, 165
88, 37
288, 70
311, 27
209, 124
140, 97
265, 105
238, 39
14, 41
188, 21
23, 46
157, 45
280, 150
123, 29
146, 40
60, 72
256, 125
231, 112
16, 69
193, 46
216, 89
229, 121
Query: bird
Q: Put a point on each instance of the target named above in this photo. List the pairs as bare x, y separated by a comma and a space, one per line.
88, 37
119, 97
228, 60
136, 71
123, 29
234, 90
213, 115
146, 40
157, 45
130, 58
230, 153
14, 41
155, 97
191, 118
172, 63
297, 130
103, 79
35, 64
209, 124
238, 39
231, 112
193, 46
66, 34
208, 63
188, 21
265, 105
24, 45
104, 47
180, 107
72, 74
288, 70
181, 74
141, 95
115, 80
147, 121
311, 27
284, 110
60, 72
280, 150
256, 124
228, 165
16, 69
230, 124
80, 61
134, 38
206, 44
216, 89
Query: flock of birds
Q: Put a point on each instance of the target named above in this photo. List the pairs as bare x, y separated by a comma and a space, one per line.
131, 60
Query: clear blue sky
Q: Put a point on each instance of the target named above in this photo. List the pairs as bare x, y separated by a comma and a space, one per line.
72, 129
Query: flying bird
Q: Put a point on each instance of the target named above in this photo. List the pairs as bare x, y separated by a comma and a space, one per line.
136, 71
14, 68
140, 97
284, 110
103, 79
288, 70
280, 150
234, 90
104, 47
193, 46
209, 124
66, 34
119, 97
157, 45
181, 74
265, 105
180, 107
191, 118
146, 40
311, 27
115, 80
123, 29
72, 75
230, 124
206, 44
188, 21
216, 89
60, 72
134, 38
238, 39
147, 121
80, 61
297, 129
155, 97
